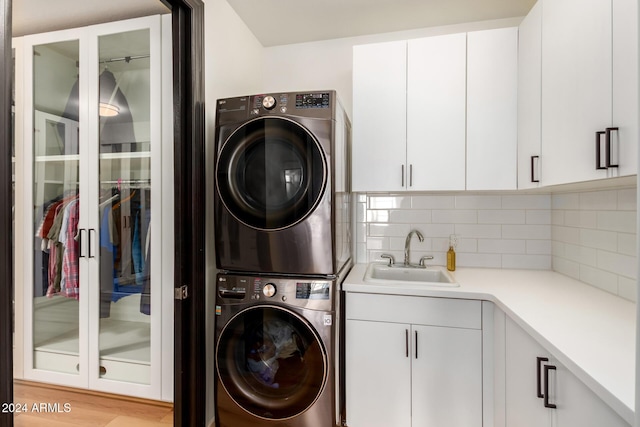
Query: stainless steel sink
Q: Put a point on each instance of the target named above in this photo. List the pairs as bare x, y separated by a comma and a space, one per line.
430, 276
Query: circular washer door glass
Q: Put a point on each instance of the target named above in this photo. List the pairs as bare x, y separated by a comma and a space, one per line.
271, 173
271, 363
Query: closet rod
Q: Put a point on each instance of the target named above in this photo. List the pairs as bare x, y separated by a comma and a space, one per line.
127, 181
124, 58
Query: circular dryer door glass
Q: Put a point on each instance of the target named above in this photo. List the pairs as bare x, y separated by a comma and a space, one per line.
271, 362
271, 173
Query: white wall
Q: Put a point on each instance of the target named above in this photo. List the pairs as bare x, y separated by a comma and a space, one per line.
233, 67
328, 64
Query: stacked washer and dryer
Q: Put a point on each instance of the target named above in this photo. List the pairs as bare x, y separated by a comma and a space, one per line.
282, 217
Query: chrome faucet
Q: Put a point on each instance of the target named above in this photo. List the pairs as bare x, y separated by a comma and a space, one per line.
407, 243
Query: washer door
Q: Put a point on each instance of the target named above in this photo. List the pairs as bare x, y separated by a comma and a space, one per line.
271, 362
271, 173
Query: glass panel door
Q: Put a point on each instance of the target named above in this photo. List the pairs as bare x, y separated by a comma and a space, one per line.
56, 245
125, 213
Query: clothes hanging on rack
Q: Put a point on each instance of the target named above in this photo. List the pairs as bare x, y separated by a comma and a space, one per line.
123, 234
58, 230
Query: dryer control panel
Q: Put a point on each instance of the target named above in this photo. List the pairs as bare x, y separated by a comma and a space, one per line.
309, 293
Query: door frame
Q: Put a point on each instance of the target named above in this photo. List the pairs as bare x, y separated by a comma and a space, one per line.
189, 329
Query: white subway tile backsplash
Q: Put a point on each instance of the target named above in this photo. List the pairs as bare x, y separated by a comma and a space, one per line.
526, 231
507, 216
599, 200
622, 221
452, 216
590, 236
526, 201
410, 216
433, 202
541, 217
565, 201
501, 246
478, 202
388, 230
627, 288
479, 260
581, 219
478, 231
600, 239
538, 247
389, 202
601, 279
627, 199
622, 265
627, 244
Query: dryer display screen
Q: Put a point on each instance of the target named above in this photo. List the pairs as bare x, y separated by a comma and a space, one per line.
312, 290
312, 100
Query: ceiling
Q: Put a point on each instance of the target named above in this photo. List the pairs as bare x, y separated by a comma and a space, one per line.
38, 16
279, 22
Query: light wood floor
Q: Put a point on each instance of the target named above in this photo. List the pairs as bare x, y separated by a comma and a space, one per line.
86, 408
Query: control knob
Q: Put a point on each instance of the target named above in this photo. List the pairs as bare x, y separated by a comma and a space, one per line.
268, 102
269, 290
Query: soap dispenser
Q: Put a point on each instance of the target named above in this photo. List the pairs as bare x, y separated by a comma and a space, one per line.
451, 253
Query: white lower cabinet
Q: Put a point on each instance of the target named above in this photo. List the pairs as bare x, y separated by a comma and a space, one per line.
542, 392
413, 361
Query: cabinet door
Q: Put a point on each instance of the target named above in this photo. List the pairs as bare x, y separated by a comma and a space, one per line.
578, 406
529, 97
55, 321
379, 116
492, 73
576, 87
378, 374
523, 407
625, 84
446, 377
436, 112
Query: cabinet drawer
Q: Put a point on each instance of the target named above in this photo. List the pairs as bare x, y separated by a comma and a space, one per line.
457, 313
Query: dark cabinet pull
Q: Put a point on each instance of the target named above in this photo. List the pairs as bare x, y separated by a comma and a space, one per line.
538, 372
598, 147
80, 242
91, 255
533, 176
402, 175
416, 344
608, 145
547, 368
406, 343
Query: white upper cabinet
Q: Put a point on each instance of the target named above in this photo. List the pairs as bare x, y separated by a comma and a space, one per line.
379, 116
529, 97
492, 70
625, 84
589, 88
436, 96
435, 114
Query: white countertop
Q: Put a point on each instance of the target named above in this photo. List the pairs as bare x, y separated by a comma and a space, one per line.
589, 331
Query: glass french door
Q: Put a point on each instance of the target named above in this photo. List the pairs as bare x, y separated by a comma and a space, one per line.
95, 301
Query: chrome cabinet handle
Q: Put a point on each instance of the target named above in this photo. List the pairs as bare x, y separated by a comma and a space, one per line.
416, 344
402, 177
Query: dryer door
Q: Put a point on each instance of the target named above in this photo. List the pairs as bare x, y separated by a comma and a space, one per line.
271, 173
271, 362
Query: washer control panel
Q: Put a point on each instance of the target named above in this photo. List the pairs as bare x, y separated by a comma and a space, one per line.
306, 292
